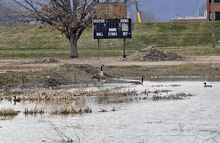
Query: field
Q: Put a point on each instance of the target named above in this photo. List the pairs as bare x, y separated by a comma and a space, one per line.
24, 47
61, 99
38, 41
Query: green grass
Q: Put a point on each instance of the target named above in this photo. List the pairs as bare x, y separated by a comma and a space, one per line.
187, 38
174, 70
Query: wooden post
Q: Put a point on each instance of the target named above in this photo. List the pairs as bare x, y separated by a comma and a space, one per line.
213, 24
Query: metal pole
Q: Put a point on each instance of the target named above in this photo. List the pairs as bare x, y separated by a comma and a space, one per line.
213, 24
98, 50
172, 9
124, 55
138, 12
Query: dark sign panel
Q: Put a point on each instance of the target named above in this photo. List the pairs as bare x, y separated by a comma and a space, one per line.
111, 28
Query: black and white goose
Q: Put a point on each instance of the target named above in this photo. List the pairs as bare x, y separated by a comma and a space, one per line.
206, 85
15, 99
99, 75
138, 82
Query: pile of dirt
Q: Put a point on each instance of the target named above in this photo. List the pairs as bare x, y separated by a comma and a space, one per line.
49, 60
151, 53
171, 56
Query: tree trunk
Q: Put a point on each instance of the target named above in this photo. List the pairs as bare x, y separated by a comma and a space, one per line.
73, 47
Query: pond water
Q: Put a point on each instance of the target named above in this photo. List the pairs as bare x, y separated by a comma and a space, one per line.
192, 120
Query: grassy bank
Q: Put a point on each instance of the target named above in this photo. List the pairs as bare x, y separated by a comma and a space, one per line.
31, 41
199, 70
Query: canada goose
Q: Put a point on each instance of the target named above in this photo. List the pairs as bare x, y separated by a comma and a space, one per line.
16, 99
205, 85
138, 82
99, 75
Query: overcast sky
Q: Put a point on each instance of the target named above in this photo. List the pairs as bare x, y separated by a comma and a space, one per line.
162, 9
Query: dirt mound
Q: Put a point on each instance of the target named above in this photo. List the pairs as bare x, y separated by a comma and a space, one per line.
173, 56
151, 53
49, 60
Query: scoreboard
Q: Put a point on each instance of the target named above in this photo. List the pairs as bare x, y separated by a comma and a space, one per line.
112, 28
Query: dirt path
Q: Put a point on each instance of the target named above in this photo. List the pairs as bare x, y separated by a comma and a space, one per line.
120, 62
31, 65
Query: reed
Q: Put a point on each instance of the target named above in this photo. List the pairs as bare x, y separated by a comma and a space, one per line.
71, 110
88, 110
178, 96
8, 112
114, 109
103, 110
108, 92
33, 111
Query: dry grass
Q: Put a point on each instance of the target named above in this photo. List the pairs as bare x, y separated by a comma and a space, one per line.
71, 102
108, 92
178, 96
175, 85
157, 91
103, 110
65, 110
114, 109
144, 98
65, 100
8, 112
33, 111
53, 95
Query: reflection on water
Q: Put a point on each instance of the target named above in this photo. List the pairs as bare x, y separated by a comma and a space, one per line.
114, 99
131, 116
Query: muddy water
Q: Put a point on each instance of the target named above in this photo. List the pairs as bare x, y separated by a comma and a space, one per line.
194, 119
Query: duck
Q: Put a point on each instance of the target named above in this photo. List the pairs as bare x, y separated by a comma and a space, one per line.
99, 75
205, 85
16, 99
138, 82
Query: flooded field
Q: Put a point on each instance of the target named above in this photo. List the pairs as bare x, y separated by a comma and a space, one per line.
153, 112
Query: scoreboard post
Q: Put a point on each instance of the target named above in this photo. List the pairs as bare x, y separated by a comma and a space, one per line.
112, 29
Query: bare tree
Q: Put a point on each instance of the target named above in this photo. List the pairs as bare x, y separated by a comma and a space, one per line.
71, 17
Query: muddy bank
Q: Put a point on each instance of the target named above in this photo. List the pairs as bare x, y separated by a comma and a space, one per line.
74, 74
60, 75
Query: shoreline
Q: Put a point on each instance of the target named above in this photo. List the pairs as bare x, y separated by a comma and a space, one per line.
37, 74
